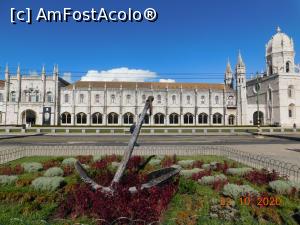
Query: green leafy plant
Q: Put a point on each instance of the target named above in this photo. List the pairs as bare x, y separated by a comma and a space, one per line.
284, 187
236, 191
238, 171
190, 173
208, 180
8, 180
54, 172
69, 162
32, 167
48, 183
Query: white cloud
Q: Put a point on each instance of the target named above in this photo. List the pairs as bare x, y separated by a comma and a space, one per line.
167, 81
67, 77
120, 74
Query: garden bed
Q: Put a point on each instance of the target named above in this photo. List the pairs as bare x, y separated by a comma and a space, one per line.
208, 190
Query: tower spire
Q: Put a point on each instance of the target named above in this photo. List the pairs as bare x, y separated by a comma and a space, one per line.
240, 61
228, 75
6, 68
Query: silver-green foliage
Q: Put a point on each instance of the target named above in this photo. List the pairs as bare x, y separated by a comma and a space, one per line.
189, 173
239, 171
69, 161
284, 187
97, 157
208, 180
32, 167
185, 163
48, 183
236, 191
7, 180
54, 172
154, 162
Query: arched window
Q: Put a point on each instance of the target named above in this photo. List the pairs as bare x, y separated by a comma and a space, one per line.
291, 91
188, 99
174, 118
291, 111
174, 99
97, 118
97, 98
66, 98
128, 97
188, 118
128, 118
1, 97
112, 98
81, 118
159, 118
113, 118
217, 118
66, 118
202, 99
287, 67
158, 99
13, 96
144, 98
81, 98
203, 118
231, 120
49, 97
217, 101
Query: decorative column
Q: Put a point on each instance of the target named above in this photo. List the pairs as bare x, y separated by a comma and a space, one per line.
73, 105
210, 107
89, 105
196, 108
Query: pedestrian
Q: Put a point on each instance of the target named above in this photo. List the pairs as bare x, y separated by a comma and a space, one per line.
132, 128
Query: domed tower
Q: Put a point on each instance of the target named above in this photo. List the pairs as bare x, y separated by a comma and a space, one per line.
280, 54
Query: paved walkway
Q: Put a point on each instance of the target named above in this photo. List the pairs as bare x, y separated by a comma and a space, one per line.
282, 152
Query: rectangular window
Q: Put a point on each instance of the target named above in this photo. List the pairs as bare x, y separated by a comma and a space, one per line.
97, 98
66, 98
81, 98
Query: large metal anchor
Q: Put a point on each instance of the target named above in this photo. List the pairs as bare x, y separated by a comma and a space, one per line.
153, 179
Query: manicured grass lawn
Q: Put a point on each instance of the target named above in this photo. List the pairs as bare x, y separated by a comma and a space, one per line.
192, 203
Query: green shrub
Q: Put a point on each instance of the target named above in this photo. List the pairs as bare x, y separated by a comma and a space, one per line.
161, 157
32, 167
206, 166
235, 191
7, 180
69, 161
48, 183
239, 171
54, 172
97, 157
115, 164
208, 180
284, 187
186, 163
187, 186
155, 162
189, 173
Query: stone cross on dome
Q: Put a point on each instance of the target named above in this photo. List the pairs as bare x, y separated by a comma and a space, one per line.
278, 30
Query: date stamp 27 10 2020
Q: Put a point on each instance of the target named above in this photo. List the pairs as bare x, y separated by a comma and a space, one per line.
261, 201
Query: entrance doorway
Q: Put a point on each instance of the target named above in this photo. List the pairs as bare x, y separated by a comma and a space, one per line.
29, 117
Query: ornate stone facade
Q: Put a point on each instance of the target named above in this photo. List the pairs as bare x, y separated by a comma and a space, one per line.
50, 100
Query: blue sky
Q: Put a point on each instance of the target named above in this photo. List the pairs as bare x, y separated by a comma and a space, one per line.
190, 41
